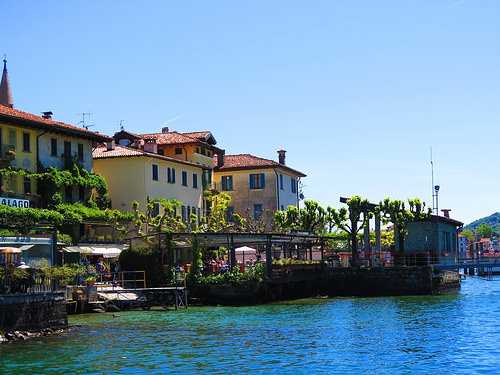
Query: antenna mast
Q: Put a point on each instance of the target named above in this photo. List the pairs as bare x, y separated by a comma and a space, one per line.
435, 190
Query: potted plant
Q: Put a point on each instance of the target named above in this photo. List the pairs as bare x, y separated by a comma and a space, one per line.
90, 280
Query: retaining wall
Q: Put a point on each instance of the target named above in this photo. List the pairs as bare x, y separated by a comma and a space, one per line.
33, 311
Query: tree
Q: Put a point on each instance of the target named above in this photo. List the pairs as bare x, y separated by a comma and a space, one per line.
484, 231
311, 218
216, 218
348, 220
467, 233
396, 212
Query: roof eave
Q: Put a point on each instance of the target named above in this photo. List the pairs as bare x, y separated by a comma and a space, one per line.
55, 128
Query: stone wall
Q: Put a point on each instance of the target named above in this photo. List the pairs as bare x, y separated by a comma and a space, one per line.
304, 282
33, 311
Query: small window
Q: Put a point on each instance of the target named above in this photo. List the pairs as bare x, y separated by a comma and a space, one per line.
227, 183
197, 150
80, 152
27, 185
184, 178
195, 181
173, 175
26, 142
53, 147
68, 193
67, 149
160, 152
169, 175
293, 184
178, 151
155, 172
12, 138
281, 181
257, 211
257, 181
81, 194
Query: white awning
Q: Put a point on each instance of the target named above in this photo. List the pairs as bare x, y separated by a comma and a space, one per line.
106, 251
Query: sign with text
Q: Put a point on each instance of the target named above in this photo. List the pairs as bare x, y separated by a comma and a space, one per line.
14, 202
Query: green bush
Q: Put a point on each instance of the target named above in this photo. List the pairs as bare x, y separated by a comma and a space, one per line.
234, 277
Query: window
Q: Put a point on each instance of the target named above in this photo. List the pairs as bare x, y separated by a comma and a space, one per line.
195, 181
68, 193
227, 183
26, 142
293, 184
80, 152
230, 214
155, 172
27, 185
282, 208
281, 181
81, 194
257, 211
171, 175
12, 138
183, 213
184, 178
178, 151
53, 146
197, 150
257, 181
67, 149
160, 152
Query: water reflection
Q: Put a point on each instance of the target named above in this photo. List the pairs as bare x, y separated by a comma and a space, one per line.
446, 334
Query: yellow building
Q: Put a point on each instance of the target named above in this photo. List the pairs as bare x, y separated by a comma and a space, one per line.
258, 186
136, 175
29, 142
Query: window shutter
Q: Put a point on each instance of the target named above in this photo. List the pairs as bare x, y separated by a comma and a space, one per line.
223, 182
251, 182
173, 175
263, 180
169, 175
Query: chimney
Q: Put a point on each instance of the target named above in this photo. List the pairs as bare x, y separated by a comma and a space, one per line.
150, 145
281, 156
5, 92
47, 115
164, 129
220, 158
110, 146
446, 212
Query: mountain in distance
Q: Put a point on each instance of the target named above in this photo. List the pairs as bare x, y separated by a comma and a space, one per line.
493, 220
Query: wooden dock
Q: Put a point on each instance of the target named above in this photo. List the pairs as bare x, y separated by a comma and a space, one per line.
144, 298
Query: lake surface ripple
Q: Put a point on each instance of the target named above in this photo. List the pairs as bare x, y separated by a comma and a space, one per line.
446, 334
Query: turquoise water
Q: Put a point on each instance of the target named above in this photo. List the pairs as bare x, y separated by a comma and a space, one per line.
439, 334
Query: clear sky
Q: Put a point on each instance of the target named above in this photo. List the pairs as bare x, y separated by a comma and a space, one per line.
356, 91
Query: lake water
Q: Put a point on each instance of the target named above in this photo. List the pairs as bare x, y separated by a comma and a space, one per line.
456, 333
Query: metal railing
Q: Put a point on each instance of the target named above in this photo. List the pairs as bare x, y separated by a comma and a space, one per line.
123, 279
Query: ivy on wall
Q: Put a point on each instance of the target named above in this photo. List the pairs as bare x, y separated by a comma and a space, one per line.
53, 181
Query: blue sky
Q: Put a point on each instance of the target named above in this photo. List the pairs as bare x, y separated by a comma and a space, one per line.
356, 92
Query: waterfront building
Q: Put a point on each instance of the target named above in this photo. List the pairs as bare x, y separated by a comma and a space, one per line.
33, 143
463, 247
135, 174
436, 237
257, 186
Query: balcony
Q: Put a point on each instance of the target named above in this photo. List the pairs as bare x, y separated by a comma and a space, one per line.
203, 160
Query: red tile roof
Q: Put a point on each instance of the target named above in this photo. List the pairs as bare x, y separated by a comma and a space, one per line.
29, 119
102, 152
247, 161
170, 138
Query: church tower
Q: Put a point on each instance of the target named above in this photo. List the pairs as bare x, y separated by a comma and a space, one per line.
5, 92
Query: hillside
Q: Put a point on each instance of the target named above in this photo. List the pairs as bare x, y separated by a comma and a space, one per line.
492, 220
